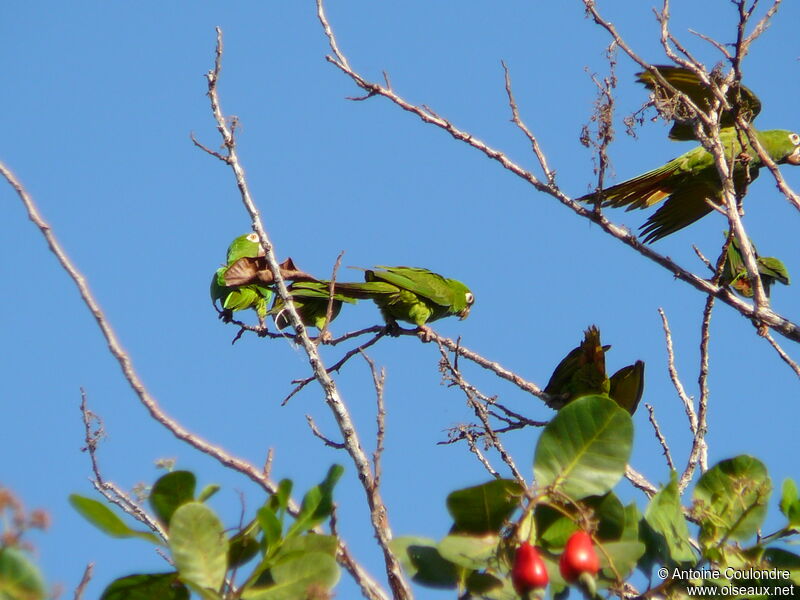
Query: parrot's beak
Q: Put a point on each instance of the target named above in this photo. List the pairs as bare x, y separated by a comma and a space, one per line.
464, 313
794, 157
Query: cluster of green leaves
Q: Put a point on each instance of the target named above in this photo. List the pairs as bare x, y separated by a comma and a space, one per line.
730, 503
289, 559
580, 457
20, 579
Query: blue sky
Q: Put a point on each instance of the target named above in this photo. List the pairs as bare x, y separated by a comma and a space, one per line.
100, 99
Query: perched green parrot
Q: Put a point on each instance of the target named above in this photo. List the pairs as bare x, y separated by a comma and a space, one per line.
411, 294
690, 181
734, 273
311, 302
240, 297
583, 372
627, 386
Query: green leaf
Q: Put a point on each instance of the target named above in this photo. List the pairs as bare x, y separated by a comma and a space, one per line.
584, 449
630, 531
164, 586
207, 492
665, 517
470, 552
20, 579
171, 491
400, 545
106, 520
199, 546
271, 526
619, 558
280, 499
432, 569
317, 504
421, 559
241, 548
552, 526
311, 542
777, 558
610, 513
484, 508
731, 499
790, 502
298, 578
480, 584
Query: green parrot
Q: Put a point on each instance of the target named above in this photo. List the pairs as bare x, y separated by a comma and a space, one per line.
627, 386
311, 302
411, 294
583, 372
734, 273
233, 298
690, 181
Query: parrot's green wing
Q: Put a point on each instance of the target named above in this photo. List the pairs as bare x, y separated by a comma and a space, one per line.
369, 290
627, 386
582, 371
318, 289
740, 99
422, 282
687, 203
734, 273
769, 266
311, 299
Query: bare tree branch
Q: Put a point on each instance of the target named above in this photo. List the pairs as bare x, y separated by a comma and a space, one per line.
352, 443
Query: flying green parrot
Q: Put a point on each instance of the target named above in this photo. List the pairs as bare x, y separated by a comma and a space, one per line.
690, 181
411, 294
233, 298
582, 372
734, 273
310, 299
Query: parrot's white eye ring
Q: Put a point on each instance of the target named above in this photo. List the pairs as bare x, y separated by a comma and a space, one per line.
470, 298
252, 237
794, 138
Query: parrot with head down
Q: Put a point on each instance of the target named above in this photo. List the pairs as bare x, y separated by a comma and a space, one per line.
734, 273
411, 294
689, 182
582, 372
233, 298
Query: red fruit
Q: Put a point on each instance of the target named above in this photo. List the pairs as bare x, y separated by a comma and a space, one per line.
578, 557
528, 571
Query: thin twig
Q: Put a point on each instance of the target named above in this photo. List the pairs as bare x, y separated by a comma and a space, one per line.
549, 174
326, 440
785, 357
479, 403
661, 439
301, 383
688, 404
378, 381
109, 490
87, 576
351, 441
